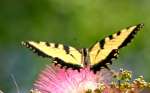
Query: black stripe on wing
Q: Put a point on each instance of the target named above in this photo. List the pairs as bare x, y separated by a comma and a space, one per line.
131, 36
66, 48
103, 64
66, 64
38, 51
35, 50
127, 40
47, 44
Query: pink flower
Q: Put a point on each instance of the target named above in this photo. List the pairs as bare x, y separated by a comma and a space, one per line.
56, 80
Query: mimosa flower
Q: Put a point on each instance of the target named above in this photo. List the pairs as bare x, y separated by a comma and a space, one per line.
53, 79
56, 80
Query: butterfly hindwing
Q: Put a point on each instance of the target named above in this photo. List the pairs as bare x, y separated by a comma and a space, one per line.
102, 49
108, 60
59, 52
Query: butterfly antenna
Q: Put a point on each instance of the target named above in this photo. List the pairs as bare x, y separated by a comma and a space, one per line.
15, 83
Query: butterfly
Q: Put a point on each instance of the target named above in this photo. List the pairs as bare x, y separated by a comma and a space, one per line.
97, 56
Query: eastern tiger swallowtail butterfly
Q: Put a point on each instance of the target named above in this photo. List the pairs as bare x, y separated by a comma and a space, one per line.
97, 56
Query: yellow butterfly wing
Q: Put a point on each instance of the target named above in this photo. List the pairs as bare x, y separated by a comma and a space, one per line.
59, 52
103, 52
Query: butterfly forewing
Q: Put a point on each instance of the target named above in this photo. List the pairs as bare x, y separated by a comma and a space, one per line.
66, 53
102, 49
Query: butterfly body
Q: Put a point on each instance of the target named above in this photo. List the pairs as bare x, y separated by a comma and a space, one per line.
97, 56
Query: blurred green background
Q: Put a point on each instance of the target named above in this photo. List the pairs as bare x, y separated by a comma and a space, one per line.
74, 22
